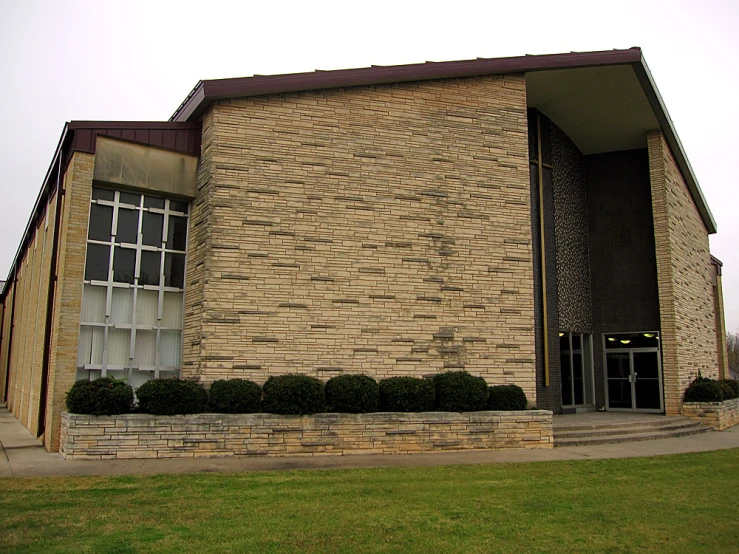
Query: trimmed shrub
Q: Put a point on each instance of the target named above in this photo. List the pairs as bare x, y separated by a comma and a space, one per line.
407, 394
730, 388
353, 394
171, 397
235, 396
703, 390
104, 396
293, 394
507, 397
458, 391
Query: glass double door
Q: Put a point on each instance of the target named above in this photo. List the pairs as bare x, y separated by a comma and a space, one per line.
634, 380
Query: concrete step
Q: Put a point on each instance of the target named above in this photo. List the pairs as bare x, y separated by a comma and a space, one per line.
650, 423
608, 439
615, 433
593, 431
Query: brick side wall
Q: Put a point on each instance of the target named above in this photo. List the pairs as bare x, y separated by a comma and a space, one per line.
719, 415
199, 241
722, 355
684, 277
4, 346
221, 435
29, 324
68, 299
383, 230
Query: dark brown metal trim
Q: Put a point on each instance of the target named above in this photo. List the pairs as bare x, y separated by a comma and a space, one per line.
163, 125
50, 296
81, 136
206, 92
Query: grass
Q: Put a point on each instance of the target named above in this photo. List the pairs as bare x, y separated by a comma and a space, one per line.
684, 503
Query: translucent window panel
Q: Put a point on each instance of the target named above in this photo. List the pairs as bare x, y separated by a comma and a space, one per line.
103, 194
170, 346
119, 346
172, 310
147, 308
167, 374
145, 354
177, 233
121, 306
124, 264
178, 206
96, 265
153, 202
139, 377
118, 373
128, 198
150, 268
101, 222
174, 270
151, 229
128, 226
90, 351
93, 304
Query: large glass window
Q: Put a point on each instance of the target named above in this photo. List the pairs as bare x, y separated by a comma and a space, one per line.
575, 350
132, 302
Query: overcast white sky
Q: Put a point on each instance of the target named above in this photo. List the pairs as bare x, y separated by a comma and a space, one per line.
134, 60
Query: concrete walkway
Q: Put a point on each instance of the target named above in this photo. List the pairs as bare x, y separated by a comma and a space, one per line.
21, 455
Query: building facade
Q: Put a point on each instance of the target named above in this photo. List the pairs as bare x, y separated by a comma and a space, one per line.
530, 220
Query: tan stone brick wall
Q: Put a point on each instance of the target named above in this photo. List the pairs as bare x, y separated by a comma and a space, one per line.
684, 277
222, 435
383, 230
68, 299
4, 346
719, 415
26, 354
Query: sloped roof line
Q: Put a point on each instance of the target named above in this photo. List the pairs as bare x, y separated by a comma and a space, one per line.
208, 91
205, 92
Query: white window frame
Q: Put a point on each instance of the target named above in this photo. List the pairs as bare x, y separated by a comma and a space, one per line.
155, 370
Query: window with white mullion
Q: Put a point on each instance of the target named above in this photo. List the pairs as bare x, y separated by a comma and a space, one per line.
136, 276
133, 300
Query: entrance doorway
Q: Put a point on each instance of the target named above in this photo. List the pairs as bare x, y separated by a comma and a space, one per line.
633, 372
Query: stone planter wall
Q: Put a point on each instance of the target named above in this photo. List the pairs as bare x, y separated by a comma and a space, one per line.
719, 415
220, 435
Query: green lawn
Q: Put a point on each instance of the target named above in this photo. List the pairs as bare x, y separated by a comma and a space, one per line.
685, 503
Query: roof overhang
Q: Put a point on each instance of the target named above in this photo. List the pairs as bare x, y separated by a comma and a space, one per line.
604, 101
81, 136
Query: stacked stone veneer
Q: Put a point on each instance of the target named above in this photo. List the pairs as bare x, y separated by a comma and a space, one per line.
684, 277
719, 415
221, 435
382, 230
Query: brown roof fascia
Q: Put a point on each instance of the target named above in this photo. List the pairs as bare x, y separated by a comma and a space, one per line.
70, 142
206, 92
673, 141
